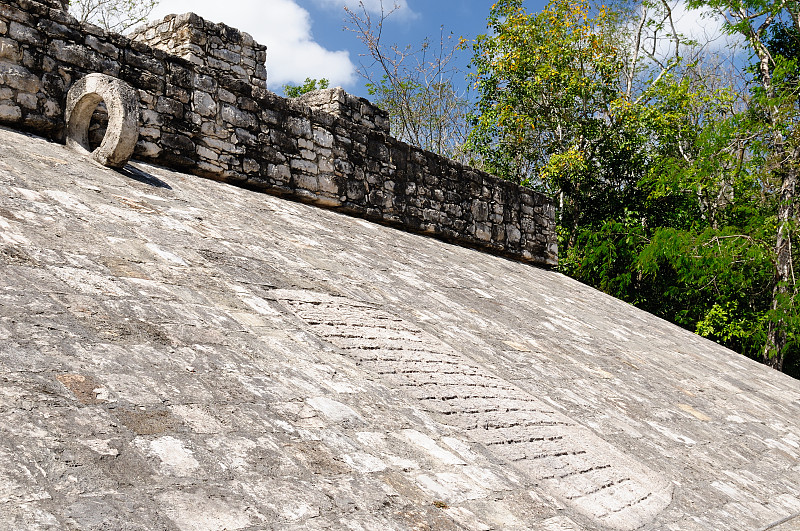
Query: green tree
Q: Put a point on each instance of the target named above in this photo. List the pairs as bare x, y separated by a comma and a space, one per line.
770, 28
293, 91
668, 185
545, 82
548, 88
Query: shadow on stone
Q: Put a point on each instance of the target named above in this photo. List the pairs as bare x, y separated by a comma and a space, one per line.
143, 177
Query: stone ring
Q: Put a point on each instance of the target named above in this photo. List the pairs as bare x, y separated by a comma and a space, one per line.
123, 118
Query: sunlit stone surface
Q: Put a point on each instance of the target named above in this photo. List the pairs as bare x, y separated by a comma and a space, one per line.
178, 353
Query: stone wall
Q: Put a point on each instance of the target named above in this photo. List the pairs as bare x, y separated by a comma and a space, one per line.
353, 109
222, 49
201, 115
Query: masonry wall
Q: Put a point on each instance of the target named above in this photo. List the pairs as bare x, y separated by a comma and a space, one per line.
203, 116
220, 48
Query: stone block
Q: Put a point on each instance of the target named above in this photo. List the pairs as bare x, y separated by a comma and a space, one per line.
216, 64
513, 234
206, 153
19, 78
239, 71
304, 166
229, 160
102, 47
178, 142
9, 12
221, 145
483, 232
29, 58
355, 190
204, 104
151, 117
226, 96
498, 233
480, 210
28, 101
237, 117
152, 133
248, 104
243, 136
180, 76
328, 184
210, 167
146, 97
226, 55
251, 166
323, 138
170, 107
305, 181
70, 53
455, 211
148, 63
178, 93
343, 167
261, 71
10, 113
282, 141
208, 128
23, 33
145, 149
9, 50
299, 127
143, 80
279, 172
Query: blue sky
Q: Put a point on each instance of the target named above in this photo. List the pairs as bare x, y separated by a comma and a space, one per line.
305, 38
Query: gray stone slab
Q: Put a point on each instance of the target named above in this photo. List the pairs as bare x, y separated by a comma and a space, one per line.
191, 355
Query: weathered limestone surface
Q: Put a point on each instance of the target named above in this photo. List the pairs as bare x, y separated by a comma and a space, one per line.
178, 353
205, 110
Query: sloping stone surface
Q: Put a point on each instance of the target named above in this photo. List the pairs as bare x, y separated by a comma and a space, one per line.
177, 353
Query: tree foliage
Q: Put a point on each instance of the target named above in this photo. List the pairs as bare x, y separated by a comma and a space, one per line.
673, 169
545, 83
117, 16
293, 91
771, 29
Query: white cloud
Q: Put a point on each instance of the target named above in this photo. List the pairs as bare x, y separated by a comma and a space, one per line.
698, 25
702, 26
284, 27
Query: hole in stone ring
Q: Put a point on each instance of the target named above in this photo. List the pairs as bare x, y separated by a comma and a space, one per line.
121, 103
98, 126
